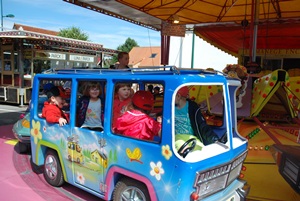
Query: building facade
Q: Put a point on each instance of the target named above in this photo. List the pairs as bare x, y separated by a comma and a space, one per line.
26, 51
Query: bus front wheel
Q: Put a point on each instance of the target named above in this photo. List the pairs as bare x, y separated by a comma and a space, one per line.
129, 189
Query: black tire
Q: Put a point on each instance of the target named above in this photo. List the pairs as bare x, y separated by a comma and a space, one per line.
129, 189
52, 169
23, 148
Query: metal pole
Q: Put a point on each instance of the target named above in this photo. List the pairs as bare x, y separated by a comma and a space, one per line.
180, 55
1, 16
193, 50
256, 20
21, 71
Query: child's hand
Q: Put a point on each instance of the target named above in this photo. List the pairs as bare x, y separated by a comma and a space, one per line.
62, 121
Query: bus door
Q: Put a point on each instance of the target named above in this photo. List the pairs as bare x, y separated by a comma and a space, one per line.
86, 144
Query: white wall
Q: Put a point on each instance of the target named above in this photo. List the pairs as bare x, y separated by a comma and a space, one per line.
205, 55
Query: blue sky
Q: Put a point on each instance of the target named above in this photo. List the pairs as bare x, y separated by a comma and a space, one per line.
57, 14
108, 31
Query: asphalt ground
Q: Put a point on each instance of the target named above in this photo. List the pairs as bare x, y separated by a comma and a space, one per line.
9, 114
19, 180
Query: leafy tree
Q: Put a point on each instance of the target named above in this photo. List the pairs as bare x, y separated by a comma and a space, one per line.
126, 47
73, 32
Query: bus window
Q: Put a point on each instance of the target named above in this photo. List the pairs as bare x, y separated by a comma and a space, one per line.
137, 115
64, 93
199, 116
90, 105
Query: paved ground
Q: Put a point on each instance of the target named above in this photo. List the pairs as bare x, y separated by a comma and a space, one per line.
9, 114
17, 180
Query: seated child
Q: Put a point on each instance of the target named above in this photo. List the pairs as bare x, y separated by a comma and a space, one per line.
136, 122
52, 108
90, 108
121, 100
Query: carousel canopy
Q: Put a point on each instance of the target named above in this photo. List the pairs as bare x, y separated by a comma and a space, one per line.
232, 38
152, 12
217, 21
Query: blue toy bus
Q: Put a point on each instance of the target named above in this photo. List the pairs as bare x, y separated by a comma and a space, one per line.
117, 167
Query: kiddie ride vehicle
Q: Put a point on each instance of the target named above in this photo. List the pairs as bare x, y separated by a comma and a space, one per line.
117, 167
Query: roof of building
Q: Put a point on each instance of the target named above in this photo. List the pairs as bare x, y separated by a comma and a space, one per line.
50, 39
23, 27
145, 56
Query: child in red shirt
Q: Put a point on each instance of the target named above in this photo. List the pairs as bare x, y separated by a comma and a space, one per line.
52, 111
136, 122
121, 100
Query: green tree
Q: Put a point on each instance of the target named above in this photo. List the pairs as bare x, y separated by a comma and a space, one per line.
126, 47
73, 32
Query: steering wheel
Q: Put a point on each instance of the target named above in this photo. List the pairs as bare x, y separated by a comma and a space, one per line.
182, 151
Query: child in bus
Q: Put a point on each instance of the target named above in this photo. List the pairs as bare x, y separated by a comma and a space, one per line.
122, 98
123, 61
136, 122
52, 110
90, 108
189, 119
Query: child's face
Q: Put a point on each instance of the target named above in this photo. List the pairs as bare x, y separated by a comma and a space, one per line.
57, 100
94, 92
124, 60
124, 92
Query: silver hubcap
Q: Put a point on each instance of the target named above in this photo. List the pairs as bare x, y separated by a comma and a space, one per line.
51, 167
132, 194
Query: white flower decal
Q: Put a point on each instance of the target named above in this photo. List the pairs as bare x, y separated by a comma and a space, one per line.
157, 170
80, 178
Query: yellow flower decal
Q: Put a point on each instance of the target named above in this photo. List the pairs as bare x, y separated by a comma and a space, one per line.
35, 131
166, 152
156, 170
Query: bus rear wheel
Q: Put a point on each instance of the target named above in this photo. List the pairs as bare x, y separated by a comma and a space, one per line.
52, 169
129, 189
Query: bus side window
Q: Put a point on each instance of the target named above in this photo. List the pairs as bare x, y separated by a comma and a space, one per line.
140, 108
90, 106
